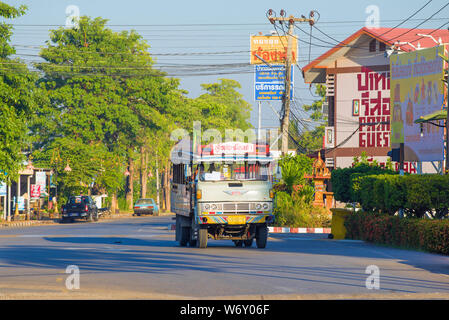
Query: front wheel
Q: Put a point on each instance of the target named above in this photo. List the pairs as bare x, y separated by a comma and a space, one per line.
202, 238
261, 236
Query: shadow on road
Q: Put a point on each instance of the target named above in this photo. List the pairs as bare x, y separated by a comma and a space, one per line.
156, 256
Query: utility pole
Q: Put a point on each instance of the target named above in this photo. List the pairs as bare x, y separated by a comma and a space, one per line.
291, 20
447, 133
157, 182
259, 123
446, 78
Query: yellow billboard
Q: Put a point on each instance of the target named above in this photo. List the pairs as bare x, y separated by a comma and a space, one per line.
272, 49
416, 91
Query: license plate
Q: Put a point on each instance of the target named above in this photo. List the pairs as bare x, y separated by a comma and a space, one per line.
237, 220
74, 214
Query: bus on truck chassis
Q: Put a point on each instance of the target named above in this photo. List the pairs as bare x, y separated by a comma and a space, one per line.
222, 191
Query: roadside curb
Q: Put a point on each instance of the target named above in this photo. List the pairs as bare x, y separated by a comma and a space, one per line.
20, 224
172, 227
299, 230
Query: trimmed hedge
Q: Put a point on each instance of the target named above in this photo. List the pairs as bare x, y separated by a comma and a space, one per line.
416, 194
421, 234
342, 180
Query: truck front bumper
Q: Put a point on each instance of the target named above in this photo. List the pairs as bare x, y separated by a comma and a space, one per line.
234, 219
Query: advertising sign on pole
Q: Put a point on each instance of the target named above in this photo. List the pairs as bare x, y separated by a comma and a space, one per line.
416, 91
272, 49
269, 83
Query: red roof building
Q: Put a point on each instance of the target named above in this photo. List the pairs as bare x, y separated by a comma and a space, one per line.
357, 75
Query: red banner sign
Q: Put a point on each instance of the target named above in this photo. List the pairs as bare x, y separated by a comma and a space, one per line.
35, 191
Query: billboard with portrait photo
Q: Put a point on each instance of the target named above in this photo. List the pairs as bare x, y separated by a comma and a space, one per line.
416, 91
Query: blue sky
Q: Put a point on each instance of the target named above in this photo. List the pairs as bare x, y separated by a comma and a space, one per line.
180, 26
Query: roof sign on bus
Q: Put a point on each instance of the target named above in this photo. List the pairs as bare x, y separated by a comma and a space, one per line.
233, 148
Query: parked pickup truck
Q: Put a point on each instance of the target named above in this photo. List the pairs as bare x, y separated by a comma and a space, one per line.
80, 207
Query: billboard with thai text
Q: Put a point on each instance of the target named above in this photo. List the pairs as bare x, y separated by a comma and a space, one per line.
269, 83
272, 49
363, 119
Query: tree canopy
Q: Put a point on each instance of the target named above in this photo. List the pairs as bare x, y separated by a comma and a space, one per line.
18, 99
105, 101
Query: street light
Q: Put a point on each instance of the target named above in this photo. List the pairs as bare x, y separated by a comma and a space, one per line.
411, 45
431, 37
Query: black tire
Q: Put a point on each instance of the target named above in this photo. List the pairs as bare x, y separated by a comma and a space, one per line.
261, 236
185, 236
238, 243
248, 243
64, 220
193, 243
202, 238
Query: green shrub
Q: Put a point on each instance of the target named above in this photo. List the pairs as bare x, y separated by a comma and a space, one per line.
394, 194
416, 194
343, 180
421, 234
293, 169
295, 194
298, 213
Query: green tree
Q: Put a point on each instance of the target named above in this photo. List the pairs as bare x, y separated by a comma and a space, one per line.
104, 98
108, 108
222, 107
17, 99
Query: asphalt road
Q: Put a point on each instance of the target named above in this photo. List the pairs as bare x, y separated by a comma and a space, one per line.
137, 258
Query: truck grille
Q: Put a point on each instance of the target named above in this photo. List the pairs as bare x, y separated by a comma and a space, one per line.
236, 207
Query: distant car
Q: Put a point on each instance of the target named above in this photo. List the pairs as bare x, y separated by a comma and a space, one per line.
80, 207
145, 206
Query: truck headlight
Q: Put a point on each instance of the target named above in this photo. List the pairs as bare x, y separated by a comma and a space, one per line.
265, 206
206, 206
258, 206
214, 207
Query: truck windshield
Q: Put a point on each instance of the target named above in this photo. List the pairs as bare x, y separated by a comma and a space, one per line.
234, 171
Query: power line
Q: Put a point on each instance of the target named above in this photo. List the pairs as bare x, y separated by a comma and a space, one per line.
408, 31
249, 24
